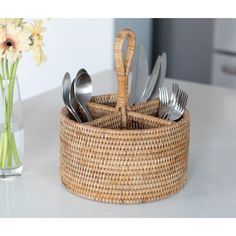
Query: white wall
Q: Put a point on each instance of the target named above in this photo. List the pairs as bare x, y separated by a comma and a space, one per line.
70, 44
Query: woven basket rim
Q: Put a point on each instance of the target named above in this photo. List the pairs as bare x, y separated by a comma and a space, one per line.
173, 124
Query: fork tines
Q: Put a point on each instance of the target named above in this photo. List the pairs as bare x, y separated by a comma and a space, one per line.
172, 108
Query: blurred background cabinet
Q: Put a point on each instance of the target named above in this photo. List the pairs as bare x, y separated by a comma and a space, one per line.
188, 44
224, 53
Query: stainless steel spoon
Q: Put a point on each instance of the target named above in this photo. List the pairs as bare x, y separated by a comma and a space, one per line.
66, 88
81, 71
83, 90
77, 106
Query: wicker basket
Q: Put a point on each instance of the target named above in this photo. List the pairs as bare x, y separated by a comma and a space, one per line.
126, 154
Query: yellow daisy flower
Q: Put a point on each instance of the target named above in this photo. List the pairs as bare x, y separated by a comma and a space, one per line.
37, 41
39, 56
36, 28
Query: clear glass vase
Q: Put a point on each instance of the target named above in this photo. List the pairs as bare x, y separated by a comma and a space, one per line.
11, 129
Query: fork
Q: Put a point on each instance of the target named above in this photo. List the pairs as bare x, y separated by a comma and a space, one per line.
175, 112
164, 101
173, 108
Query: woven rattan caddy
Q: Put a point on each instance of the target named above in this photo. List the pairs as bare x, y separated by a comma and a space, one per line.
125, 154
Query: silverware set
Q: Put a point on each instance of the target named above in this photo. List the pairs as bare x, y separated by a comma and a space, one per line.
76, 94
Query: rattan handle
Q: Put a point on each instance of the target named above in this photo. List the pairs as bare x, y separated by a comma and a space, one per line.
122, 69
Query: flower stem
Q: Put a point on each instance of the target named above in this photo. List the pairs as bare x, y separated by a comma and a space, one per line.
5, 147
14, 151
9, 154
1, 148
2, 67
7, 70
8, 149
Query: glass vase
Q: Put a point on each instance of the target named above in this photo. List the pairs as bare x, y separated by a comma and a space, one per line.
11, 129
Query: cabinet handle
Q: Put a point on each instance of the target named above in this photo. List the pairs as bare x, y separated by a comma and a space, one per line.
229, 70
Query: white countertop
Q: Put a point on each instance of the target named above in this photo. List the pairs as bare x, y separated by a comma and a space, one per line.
210, 190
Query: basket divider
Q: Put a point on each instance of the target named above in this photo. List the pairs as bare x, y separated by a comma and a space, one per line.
122, 70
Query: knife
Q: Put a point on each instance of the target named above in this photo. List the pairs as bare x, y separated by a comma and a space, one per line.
161, 77
152, 80
142, 74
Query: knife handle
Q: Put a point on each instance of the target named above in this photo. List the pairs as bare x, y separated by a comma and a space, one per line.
122, 69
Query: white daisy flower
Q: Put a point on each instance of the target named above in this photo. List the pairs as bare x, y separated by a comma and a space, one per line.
13, 41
